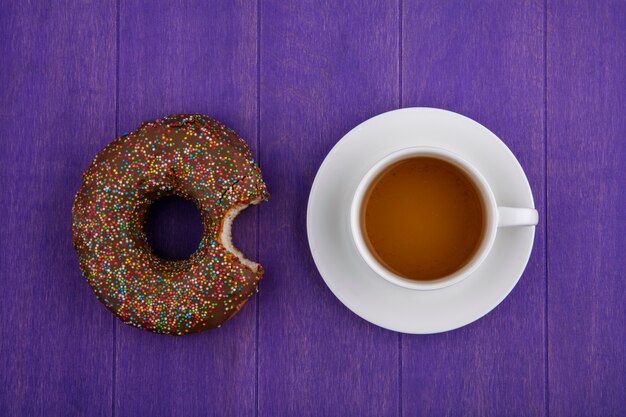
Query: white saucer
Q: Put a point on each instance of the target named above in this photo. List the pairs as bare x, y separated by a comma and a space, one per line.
357, 286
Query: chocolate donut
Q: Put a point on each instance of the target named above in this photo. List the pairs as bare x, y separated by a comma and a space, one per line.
191, 156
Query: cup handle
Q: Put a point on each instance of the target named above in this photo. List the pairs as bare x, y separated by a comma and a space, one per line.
514, 216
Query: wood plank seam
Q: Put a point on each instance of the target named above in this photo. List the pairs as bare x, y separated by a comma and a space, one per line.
545, 207
258, 208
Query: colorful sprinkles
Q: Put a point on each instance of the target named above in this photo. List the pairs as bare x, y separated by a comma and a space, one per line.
192, 156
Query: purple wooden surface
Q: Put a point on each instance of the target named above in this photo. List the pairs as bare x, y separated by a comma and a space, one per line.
57, 110
486, 62
586, 67
325, 67
292, 78
206, 65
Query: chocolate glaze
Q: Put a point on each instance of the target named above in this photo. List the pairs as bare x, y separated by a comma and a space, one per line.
192, 156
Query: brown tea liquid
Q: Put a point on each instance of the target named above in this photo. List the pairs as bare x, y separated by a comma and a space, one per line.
423, 218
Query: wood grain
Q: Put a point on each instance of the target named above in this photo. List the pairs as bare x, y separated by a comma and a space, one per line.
58, 110
548, 77
176, 57
586, 71
484, 60
325, 67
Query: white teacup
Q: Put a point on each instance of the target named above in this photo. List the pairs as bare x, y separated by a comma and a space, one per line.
495, 217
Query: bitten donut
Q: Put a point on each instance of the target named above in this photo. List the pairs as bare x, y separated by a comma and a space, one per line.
191, 156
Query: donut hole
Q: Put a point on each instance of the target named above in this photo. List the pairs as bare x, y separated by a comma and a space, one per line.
173, 227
